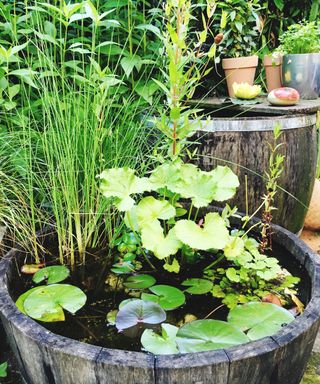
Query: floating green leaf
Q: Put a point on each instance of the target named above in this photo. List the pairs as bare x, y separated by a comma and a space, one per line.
140, 281
234, 248
3, 369
120, 183
197, 286
259, 319
166, 296
53, 274
22, 298
150, 209
122, 268
164, 344
47, 303
154, 240
137, 312
207, 335
214, 233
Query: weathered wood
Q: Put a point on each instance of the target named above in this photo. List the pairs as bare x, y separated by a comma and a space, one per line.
303, 107
193, 368
47, 358
244, 148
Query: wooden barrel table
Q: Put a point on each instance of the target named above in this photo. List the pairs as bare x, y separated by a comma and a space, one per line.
238, 136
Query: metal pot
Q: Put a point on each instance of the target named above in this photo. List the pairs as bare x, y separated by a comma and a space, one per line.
302, 72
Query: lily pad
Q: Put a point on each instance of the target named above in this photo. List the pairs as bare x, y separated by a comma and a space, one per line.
139, 312
259, 319
197, 286
164, 344
123, 268
166, 296
22, 298
140, 281
214, 233
207, 335
47, 303
53, 274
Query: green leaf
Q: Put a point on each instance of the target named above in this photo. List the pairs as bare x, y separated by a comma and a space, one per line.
233, 275
140, 281
47, 302
122, 268
111, 317
197, 286
173, 267
225, 183
3, 369
166, 296
129, 63
22, 298
207, 335
121, 183
279, 4
53, 274
164, 344
234, 248
166, 175
137, 312
154, 240
259, 319
150, 209
213, 235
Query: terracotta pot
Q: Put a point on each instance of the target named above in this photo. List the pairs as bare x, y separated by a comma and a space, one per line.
273, 67
239, 70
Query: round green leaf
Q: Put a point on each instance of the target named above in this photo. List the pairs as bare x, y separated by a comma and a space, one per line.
197, 286
22, 298
150, 209
53, 274
47, 302
137, 312
166, 296
207, 335
259, 319
140, 281
214, 233
164, 344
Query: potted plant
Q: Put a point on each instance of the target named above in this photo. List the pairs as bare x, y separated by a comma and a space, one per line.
301, 61
240, 25
273, 67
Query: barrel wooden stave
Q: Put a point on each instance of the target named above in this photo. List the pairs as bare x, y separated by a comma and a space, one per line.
246, 152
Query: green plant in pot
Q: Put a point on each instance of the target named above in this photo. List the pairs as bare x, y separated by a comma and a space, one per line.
239, 22
300, 45
183, 247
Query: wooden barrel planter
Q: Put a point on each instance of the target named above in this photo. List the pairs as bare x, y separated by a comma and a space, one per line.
47, 358
239, 138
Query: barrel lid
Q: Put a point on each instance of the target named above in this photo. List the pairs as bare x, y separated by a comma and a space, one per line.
252, 124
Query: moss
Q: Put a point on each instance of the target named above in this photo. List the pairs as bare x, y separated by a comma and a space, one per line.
312, 375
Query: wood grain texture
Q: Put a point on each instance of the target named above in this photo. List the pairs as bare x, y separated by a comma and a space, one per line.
47, 358
247, 154
303, 107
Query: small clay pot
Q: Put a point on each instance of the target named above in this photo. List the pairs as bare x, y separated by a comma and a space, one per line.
239, 70
273, 67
